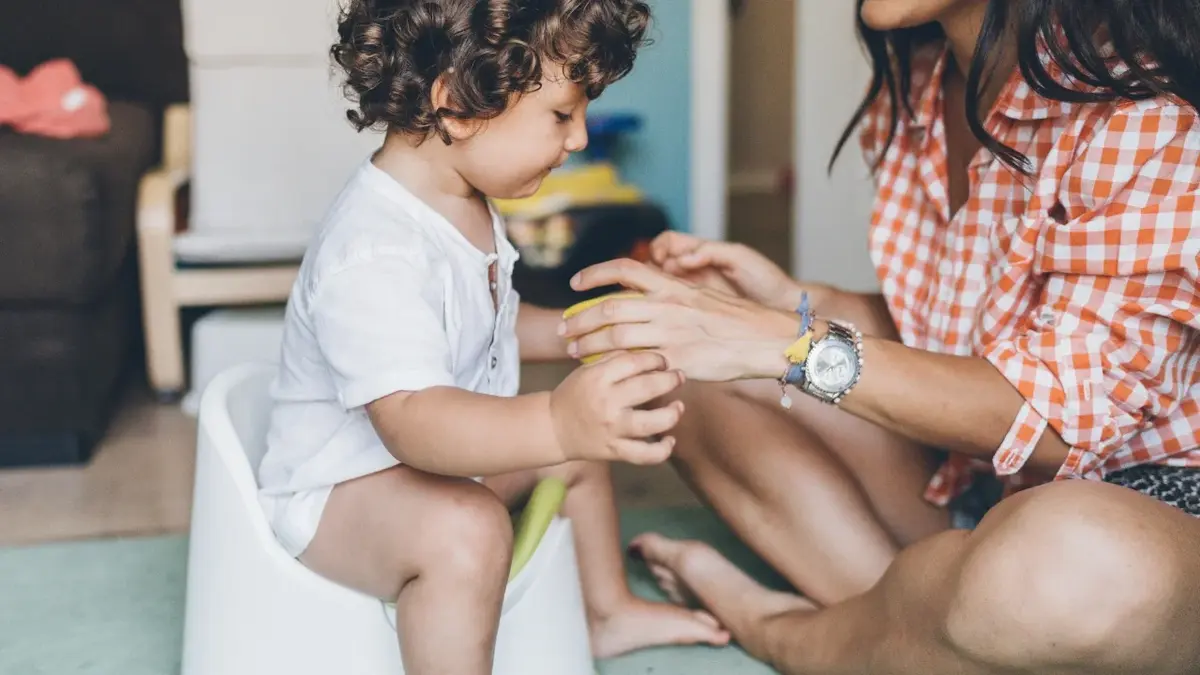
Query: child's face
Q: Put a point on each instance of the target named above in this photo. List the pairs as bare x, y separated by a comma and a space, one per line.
509, 156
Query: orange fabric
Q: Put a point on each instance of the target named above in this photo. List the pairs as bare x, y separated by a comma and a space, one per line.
1079, 283
52, 100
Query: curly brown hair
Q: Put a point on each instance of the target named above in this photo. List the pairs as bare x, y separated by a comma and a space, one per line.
487, 52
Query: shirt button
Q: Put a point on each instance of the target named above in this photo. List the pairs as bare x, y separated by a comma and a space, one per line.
494, 361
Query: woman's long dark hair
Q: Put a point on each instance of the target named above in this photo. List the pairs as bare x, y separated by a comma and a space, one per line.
1155, 49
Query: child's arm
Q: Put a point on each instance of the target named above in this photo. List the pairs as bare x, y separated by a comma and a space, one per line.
378, 322
537, 332
454, 432
594, 414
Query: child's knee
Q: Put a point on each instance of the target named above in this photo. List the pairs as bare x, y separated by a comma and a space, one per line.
471, 532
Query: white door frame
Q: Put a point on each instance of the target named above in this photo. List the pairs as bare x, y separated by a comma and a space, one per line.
830, 213
709, 170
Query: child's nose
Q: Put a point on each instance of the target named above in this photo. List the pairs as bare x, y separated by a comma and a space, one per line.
577, 140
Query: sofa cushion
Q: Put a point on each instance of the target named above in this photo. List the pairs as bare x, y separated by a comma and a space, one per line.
63, 364
67, 208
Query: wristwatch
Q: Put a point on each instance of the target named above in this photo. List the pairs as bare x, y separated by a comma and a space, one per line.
834, 363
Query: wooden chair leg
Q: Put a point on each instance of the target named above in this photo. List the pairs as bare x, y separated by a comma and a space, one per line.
160, 304
164, 347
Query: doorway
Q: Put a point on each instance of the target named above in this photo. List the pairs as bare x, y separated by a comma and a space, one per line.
761, 122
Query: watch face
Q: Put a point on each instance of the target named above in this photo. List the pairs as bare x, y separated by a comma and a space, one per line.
834, 367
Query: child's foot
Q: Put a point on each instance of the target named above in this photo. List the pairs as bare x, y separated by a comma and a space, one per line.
637, 623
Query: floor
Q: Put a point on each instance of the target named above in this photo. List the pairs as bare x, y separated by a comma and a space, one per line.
139, 482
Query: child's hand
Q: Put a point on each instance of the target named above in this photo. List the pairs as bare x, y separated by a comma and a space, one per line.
596, 410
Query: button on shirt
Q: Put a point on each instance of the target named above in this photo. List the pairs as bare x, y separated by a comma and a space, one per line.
1078, 283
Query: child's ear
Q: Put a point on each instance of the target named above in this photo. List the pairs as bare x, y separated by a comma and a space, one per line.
457, 129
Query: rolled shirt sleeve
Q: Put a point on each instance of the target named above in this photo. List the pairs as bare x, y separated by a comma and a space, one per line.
1112, 342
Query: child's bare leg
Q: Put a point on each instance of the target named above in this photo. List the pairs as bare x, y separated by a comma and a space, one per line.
620, 621
386, 535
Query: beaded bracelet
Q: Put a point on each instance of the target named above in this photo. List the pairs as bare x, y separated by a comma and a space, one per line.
797, 353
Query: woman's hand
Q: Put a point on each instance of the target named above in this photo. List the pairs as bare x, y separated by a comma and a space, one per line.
729, 268
707, 334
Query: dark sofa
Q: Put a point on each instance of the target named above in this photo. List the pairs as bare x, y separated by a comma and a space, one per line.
69, 317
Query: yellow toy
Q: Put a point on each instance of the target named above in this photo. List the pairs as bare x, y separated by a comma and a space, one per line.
588, 185
540, 510
588, 304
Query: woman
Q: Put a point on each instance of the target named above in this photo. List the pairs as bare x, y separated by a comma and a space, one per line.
1036, 233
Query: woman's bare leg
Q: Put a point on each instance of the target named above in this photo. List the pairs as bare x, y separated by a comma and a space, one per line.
826, 498
1074, 577
386, 535
791, 498
620, 621
892, 471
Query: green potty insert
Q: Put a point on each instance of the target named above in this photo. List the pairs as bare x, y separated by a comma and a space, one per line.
543, 505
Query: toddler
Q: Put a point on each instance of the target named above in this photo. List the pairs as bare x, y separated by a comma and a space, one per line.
398, 440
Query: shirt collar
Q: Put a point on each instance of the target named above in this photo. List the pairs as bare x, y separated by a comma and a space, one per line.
1017, 101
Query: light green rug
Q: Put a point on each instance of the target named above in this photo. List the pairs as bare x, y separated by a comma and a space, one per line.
115, 607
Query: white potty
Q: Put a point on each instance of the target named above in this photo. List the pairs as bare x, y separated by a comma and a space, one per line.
228, 337
253, 610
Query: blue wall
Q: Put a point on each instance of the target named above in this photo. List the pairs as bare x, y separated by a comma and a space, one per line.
658, 157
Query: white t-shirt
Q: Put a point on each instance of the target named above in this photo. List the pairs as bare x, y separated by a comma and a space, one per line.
390, 297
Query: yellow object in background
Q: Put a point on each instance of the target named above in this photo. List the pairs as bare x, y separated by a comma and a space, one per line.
587, 185
588, 304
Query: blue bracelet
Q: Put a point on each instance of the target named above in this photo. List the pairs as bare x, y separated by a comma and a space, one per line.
795, 372
794, 375
806, 315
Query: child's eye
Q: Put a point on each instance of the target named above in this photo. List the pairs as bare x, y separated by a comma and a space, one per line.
562, 118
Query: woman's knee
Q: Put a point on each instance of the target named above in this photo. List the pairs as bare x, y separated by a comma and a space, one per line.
1064, 573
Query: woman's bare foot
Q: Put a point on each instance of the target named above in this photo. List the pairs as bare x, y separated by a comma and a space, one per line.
694, 574
636, 623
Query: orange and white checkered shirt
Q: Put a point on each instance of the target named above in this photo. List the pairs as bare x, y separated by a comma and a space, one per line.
1078, 283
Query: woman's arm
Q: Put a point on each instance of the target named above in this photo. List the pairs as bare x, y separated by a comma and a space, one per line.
963, 404
955, 403
867, 311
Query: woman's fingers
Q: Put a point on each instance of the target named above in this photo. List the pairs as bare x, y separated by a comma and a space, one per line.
624, 272
622, 337
608, 313
708, 254
672, 244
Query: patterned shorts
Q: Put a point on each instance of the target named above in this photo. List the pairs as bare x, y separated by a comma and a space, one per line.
1171, 485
